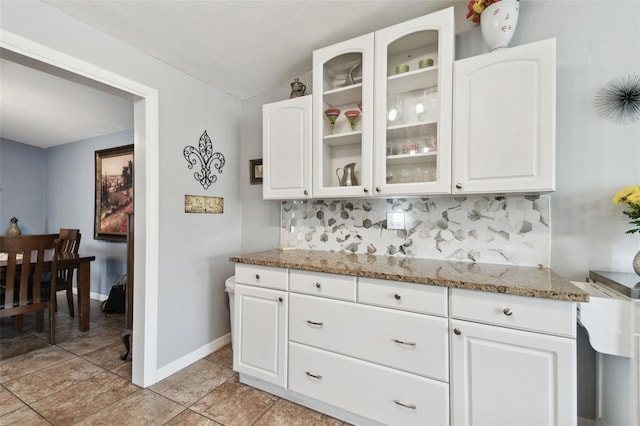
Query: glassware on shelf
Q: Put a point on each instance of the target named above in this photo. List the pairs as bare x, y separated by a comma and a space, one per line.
332, 114
352, 116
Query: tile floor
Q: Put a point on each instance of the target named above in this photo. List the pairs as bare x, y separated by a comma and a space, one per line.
82, 381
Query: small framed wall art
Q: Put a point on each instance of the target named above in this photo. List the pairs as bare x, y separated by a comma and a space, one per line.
255, 171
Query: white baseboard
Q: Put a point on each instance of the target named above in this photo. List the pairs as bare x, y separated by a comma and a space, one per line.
192, 357
93, 295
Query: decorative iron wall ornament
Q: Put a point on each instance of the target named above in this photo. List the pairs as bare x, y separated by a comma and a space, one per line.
619, 99
205, 155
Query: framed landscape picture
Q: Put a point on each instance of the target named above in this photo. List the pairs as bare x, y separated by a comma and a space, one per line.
114, 192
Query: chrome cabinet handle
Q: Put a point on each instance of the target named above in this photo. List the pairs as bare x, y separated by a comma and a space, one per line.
378, 189
319, 324
318, 285
366, 189
404, 343
280, 299
508, 312
397, 296
402, 404
457, 331
458, 186
257, 276
315, 376
306, 192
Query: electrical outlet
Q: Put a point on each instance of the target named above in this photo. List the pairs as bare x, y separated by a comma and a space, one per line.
395, 220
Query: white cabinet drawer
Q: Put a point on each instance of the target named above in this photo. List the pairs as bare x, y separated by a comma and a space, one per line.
420, 298
410, 342
525, 313
325, 285
262, 276
367, 389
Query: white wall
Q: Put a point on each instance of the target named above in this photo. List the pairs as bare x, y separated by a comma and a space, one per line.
194, 249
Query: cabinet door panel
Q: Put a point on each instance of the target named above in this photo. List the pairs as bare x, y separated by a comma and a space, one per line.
504, 120
261, 333
511, 377
287, 149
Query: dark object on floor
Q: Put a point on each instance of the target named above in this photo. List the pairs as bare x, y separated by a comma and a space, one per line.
115, 303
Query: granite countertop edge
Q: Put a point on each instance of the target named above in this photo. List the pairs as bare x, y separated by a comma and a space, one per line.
526, 281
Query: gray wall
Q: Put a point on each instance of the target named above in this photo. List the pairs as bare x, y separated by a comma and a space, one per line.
53, 188
70, 190
193, 249
22, 192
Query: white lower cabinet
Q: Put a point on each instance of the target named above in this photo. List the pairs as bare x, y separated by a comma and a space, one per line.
379, 393
504, 375
381, 352
261, 333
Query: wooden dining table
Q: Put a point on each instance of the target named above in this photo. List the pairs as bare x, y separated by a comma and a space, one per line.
79, 261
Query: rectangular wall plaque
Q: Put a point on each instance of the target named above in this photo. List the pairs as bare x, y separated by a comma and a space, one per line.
203, 204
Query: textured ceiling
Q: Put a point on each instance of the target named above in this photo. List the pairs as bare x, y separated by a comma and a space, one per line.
241, 47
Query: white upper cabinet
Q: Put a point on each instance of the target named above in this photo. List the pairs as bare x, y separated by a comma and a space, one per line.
286, 148
504, 120
343, 87
412, 137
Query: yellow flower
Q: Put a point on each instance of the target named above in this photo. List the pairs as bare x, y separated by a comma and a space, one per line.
478, 6
623, 195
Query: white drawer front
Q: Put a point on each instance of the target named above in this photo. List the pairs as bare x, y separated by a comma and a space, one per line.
262, 276
410, 342
525, 313
367, 389
325, 285
420, 298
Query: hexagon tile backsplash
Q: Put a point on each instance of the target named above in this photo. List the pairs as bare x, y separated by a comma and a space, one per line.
489, 229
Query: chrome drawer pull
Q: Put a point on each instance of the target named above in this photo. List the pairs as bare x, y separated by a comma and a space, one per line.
397, 296
280, 299
318, 285
315, 376
413, 407
257, 276
508, 312
404, 343
457, 331
319, 324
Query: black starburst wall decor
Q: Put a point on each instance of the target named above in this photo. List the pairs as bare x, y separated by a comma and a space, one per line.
207, 158
619, 99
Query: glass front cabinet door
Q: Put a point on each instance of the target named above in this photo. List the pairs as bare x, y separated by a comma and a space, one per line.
343, 116
413, 92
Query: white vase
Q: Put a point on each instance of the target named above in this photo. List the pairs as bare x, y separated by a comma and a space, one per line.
498, 23
636, 263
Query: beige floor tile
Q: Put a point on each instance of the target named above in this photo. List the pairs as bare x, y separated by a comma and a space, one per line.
223, 356
188, 417
124, 370
37, 385
81, 343
142, 407
14, 344
233, 403
8, 402
193, 382
285, 413
23, 416
107, 357
77, 402
32, 361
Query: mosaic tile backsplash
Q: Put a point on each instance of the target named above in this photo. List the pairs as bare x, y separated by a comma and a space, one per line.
490, 229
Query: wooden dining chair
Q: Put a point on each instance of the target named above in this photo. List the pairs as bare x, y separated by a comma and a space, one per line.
69, 242
22, 289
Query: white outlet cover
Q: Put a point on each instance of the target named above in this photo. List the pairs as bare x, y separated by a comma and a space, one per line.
395, 220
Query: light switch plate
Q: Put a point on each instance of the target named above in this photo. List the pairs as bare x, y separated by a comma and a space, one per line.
395, 220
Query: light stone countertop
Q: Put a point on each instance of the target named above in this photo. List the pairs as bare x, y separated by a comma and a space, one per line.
517, 280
